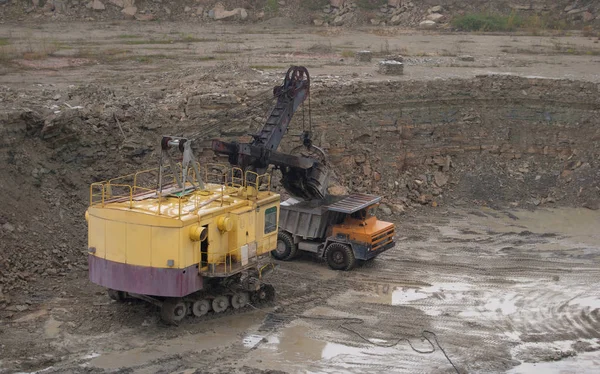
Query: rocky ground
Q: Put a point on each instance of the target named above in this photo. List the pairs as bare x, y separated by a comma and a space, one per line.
479, 131
429, 14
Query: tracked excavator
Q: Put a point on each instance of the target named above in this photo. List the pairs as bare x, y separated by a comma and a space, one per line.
195, 240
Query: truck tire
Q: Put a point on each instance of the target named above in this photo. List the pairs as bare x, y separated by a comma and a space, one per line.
340, 257
286, 249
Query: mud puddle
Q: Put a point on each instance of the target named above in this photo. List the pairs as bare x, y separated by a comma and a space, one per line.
587, 362
221, 333
297, 348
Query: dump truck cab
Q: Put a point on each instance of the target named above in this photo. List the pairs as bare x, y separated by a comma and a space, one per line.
342, 229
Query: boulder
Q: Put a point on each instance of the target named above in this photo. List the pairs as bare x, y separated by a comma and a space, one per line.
428, 25
336, 3
187, 9
337, 190
435, 17
221, 14
440, 179
128, 3
118, 3
98, 5
144, 17
129, 12
338, 21
391, 67
435, 9
394, 3
318, 22
587, 17
385, 210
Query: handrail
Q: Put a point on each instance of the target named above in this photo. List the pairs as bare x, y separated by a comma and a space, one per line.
101, 193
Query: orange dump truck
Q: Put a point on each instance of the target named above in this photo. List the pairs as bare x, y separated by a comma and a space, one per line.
342, 229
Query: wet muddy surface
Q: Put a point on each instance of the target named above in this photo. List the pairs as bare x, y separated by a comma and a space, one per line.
503, 291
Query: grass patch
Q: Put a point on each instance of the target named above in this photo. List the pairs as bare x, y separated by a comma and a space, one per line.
265, 67
4, 42
272, 6
347, 53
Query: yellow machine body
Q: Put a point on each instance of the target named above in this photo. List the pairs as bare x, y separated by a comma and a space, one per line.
165, 243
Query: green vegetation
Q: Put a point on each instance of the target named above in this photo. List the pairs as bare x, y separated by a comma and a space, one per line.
347, 53
272, 6
4, 41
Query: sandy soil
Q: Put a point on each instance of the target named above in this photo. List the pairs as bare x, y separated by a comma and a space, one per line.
130, 52
504, 291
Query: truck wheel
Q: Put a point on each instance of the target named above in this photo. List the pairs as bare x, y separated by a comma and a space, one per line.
286, 249
340, 257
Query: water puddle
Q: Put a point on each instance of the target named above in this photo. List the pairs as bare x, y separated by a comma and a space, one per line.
226, 332
587, 362
587, 302
295, 349
401, 295
52, 328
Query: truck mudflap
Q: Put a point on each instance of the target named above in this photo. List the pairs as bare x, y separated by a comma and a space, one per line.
362, 252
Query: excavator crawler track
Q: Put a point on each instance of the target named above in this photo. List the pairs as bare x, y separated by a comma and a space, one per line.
174, 311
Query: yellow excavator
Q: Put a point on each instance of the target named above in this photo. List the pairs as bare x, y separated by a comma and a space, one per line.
196, 239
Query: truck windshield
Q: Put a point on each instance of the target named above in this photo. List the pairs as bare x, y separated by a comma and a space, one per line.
363, 214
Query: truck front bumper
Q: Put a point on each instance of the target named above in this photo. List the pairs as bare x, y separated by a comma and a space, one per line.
365, 253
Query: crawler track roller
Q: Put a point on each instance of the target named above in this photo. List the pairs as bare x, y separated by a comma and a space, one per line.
174, 310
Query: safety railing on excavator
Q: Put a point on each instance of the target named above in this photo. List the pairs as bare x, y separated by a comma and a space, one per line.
217, 264
137, 185
119, 190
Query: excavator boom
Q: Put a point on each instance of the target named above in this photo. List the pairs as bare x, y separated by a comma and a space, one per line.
302, 176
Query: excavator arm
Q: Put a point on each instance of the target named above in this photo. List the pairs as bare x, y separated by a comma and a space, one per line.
302, 176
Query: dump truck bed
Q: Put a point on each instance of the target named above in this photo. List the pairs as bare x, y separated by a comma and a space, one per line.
311, 219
